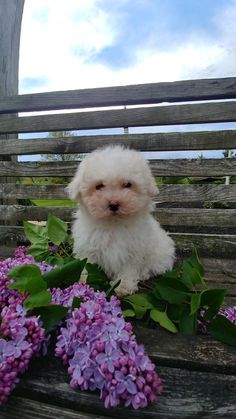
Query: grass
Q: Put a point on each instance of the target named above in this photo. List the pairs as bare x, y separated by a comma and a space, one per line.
53, 203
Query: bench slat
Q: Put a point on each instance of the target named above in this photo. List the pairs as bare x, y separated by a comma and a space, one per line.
182, 167
135, 117
202, 140
206, 89
168, 193
209, 244
185, 391
27, 409
166, 216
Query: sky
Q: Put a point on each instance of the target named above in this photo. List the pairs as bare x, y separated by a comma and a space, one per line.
73, 44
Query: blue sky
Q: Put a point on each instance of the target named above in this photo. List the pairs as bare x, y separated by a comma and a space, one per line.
72, 44
76, 43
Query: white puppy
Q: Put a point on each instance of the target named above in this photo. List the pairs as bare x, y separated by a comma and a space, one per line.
114, 227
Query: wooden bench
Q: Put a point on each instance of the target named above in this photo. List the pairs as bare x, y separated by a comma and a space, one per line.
199, 374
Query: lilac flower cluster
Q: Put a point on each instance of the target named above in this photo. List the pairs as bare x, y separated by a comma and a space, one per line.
228, 312
101, 350
20, 337
12, 297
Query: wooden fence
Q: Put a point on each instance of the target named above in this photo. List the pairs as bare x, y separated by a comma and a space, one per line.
105, 112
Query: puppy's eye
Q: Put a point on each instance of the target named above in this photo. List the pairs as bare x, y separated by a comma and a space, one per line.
127, 185
99, 186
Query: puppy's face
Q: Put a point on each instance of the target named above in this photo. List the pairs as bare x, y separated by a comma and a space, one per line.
114, 198
113, 182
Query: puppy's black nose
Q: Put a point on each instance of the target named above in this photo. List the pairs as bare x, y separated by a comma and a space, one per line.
113, 207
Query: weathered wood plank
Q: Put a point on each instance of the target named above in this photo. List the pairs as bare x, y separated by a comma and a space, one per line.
202, 140
10, 27
186, 90
208, 244
199, 352
33, 191
180, 167
168, 193
199, 193
225, 266
196, 217
135, 117
27, 409
186, 393
166, 216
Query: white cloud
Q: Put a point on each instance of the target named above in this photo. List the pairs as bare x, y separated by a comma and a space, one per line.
59, 39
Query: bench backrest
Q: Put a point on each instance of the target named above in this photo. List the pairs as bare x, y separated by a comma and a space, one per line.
188, 116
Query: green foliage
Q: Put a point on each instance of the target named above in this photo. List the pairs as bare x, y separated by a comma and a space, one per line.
174, 302
65, 275
50, 315
177, 298
222, 329
97, 278
28, 279
41, 236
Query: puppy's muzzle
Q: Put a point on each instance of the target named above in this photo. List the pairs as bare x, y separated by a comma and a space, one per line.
114, 207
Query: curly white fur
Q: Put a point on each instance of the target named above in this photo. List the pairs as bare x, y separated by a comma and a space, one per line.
114, 226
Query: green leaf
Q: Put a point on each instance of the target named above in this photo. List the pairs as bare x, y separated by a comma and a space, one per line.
174, 311
140, 300
39, 250
40, 299
54, 260
139, 311
164, 321
213, 299
195, 303
56, 229
96, 277
173, 274
188, 322
34, 232
186, 275
27, 278
223, 330
76, 302
112, 288
128, 313
171, 290
65, 275
51, 315
195, 262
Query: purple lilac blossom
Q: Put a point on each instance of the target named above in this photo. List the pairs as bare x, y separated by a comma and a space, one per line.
101, 351
228, 312
21, 337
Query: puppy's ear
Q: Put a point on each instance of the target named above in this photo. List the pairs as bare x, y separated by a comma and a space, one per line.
152, 187
150, 181
74, 188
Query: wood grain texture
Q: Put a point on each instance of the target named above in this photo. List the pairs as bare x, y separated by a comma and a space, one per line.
135, 117
10, 27
187, 393
208, 244
166, 216
203, 140
201, 353
180, 167
188, 90
27, 409
168, 193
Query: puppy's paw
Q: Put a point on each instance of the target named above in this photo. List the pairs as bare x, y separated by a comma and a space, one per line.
126, 288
